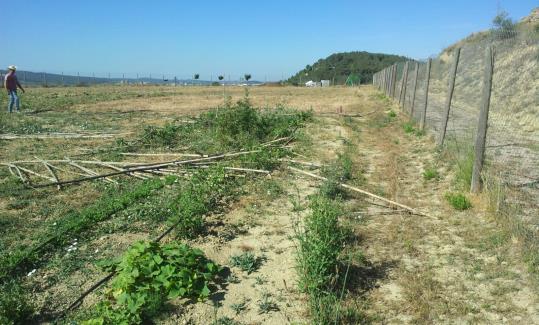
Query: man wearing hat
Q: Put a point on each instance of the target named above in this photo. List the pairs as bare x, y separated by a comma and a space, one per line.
11, 83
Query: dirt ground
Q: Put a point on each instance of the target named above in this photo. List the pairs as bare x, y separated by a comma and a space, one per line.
449, 267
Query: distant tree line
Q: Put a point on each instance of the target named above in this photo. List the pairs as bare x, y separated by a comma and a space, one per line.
339, 66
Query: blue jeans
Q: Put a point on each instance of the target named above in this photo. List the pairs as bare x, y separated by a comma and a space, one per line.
13, 99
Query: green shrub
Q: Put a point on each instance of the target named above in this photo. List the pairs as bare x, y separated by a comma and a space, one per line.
148, 275
391, 114
503, 26
234, 127
320, 244
408, 127
431, 173
15, 307
458, 201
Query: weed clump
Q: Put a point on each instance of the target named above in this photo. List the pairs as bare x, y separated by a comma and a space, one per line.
320, 245
148, 275
15, 308
458, 201
234, 127
338, 172
247, 262
430, 173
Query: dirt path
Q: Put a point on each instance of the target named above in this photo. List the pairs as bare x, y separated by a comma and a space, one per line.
451, 267
454, 267
263, 223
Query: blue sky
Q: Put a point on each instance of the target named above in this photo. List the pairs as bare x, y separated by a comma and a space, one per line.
268, 39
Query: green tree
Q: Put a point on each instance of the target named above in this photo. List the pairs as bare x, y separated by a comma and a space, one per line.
503, 26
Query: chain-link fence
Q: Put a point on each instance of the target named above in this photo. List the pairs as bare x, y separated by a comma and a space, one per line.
511, 167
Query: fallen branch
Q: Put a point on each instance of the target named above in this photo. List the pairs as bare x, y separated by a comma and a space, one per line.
142, 168
306, 163
60, 135
269, 143
355, 189
161, 154
48, 167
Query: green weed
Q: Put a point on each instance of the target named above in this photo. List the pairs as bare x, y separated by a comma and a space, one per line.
15, 306
408, 127
150, 274
266, 304
240, 306
320, 244
458, 201
247, 262
431, 173
225, 321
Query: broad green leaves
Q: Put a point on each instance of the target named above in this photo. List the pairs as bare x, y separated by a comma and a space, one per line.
148, 275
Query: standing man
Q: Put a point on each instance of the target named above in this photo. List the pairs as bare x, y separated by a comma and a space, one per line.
11, 83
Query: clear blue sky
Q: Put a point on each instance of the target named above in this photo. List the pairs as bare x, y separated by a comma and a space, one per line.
270, 38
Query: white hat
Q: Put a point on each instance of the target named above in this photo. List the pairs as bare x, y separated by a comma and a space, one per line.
12, 67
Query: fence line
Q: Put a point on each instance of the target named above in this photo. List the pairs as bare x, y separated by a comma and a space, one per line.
481, 102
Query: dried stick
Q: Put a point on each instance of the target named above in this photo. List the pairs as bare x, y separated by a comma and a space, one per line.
105, 164
146, 168
50, 171
355, 189
162, 154
19, 168
89, 171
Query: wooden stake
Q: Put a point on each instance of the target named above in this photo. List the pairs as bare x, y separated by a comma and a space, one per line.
412, 106
426, 98
450, 90
481, 138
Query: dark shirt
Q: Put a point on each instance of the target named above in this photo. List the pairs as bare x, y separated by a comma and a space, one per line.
11, 81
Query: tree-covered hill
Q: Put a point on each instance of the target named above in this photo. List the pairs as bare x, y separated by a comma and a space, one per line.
341, 65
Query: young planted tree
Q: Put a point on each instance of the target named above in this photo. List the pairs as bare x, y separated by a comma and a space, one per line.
221, 77
196, 76
247, 76
503, 26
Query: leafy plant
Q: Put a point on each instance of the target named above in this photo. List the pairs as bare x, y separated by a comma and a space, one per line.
391, 114
430, 173
20, 259
225, 321
458, 201
240, 306
320, 244
15, 307
247, 262
503, 26
408, 127
148, 275
266, 304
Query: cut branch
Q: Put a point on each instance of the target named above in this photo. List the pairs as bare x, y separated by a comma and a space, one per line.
355, 189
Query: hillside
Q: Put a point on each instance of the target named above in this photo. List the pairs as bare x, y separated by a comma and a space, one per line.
340, 65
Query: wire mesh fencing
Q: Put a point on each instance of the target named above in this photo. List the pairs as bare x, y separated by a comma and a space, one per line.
511, 154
